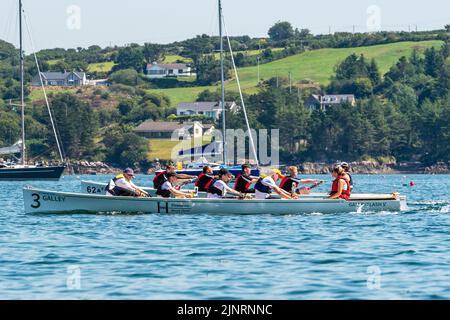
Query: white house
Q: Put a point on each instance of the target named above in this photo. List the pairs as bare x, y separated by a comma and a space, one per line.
318, 102
208, 109
161, 70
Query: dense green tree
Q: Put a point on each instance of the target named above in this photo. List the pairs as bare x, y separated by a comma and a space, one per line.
129, 77
9, 128
124, 148
208, 70
282, 30
374, 73
195, 48
434, 62
154, 52
130, 58
76, 123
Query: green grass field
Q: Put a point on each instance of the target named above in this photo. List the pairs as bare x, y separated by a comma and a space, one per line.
53, 62
250, 52
173, 58
37, 94
101, 67
317, 65
162, 148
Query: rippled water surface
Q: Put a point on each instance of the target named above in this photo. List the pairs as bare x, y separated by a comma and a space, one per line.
345, 256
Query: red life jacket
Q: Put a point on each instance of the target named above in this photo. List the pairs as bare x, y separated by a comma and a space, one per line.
242, 183
335, 187
203, 182
288, 184
159, 179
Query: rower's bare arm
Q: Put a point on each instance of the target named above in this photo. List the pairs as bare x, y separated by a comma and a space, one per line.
235, 192
180, 194
186, 176
283, 193
184, 180
311, 181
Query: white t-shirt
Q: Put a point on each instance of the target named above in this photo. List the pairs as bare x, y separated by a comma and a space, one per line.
166, 186
122, 183
219, 184
269, 182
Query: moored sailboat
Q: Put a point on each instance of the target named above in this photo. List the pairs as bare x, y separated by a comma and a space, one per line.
23, 171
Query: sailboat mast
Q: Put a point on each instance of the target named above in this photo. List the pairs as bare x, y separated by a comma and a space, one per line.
222, 74
22, 87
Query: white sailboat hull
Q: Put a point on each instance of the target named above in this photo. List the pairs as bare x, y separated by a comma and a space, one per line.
44, 201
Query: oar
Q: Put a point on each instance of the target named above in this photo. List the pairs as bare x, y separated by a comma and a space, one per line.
309, 188
316, 185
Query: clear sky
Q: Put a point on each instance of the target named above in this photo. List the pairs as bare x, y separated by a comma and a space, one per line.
73, 23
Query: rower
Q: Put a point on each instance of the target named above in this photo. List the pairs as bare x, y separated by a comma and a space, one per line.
166, 190
346, 168
290, 183
205, 179
341, 185
245, 180
122, 186
266, 185
161, 177
219, 188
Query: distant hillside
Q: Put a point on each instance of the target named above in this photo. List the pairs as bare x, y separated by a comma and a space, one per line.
316, 65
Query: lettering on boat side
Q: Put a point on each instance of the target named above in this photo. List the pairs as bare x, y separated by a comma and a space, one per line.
368, 204
95, 190
53, 198
166, 207
180, 207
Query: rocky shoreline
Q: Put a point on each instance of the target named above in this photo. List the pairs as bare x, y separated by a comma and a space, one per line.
362, 167
372, 167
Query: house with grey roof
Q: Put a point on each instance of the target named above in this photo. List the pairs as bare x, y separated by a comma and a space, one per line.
166, 129
318, 102
162, 70
210, 109
63, 79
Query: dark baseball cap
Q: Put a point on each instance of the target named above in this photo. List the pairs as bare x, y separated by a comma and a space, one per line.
129, 171
224, 172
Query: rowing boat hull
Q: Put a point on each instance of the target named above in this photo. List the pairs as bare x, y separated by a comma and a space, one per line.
44, 201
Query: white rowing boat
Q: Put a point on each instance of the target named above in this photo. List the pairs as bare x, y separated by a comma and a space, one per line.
45, 201
99, 188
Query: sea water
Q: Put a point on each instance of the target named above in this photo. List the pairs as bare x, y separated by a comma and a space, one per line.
400, 255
